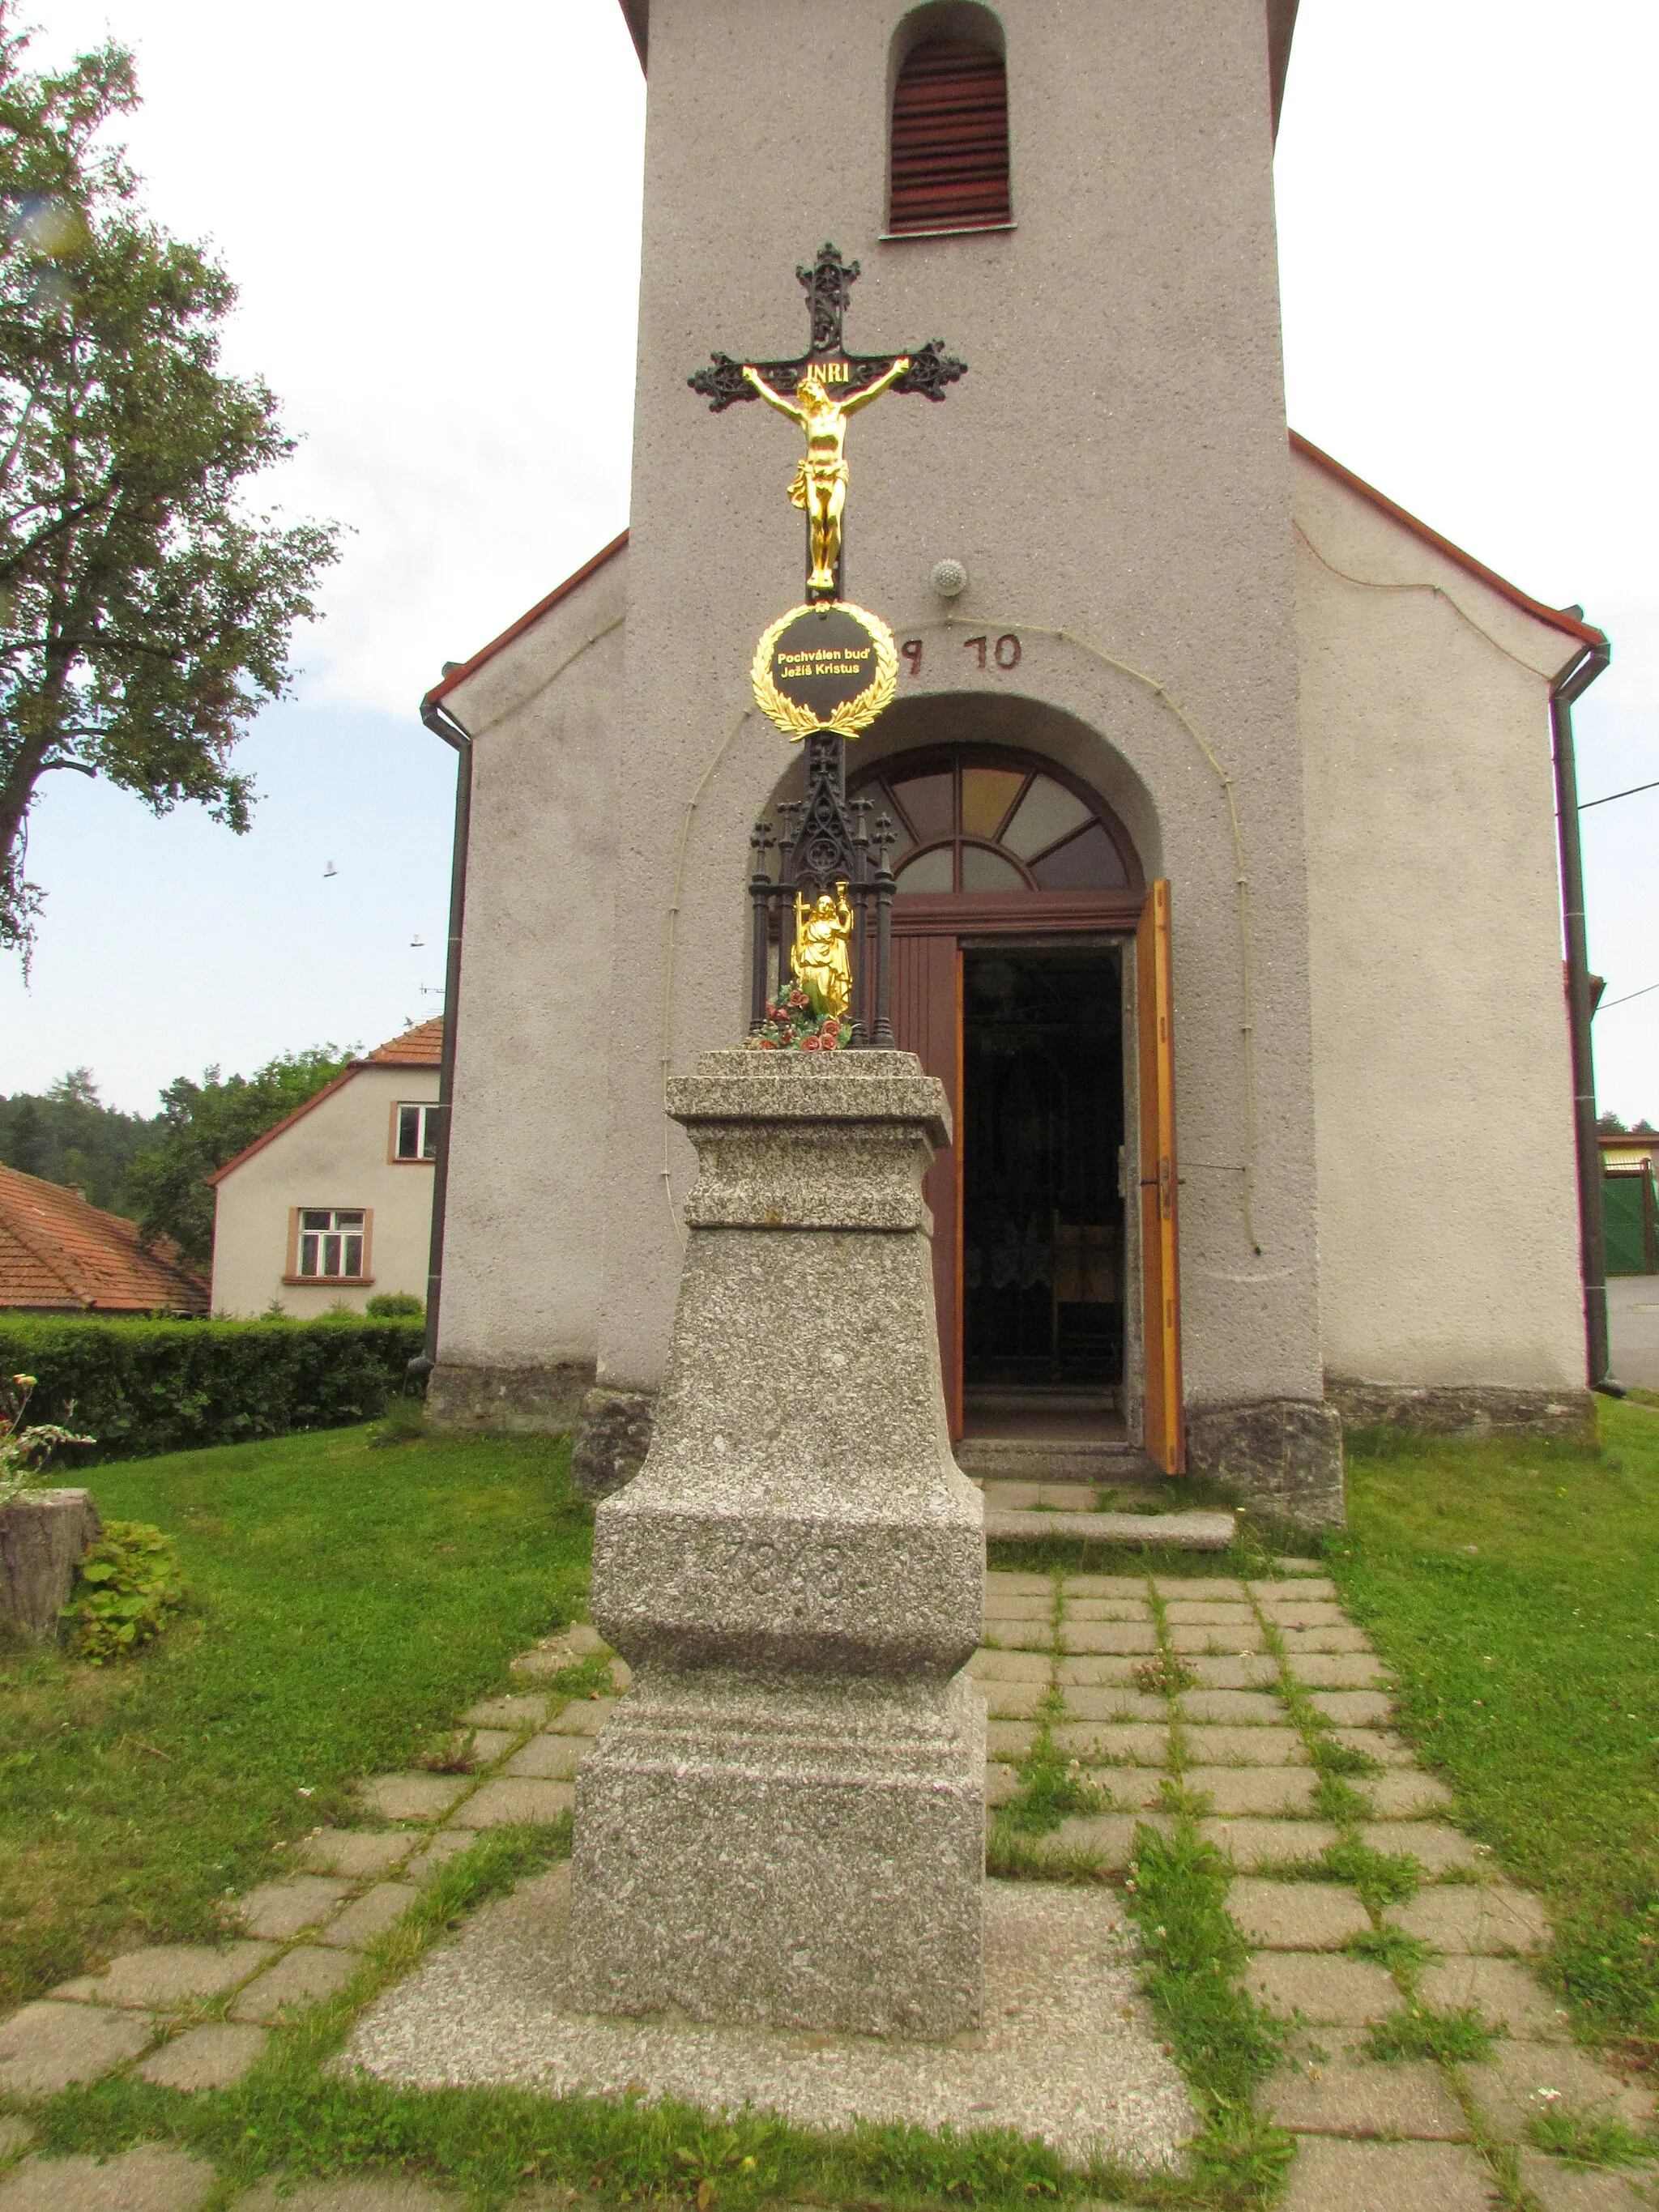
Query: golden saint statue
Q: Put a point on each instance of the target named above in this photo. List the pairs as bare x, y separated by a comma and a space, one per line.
820, 482
820, 955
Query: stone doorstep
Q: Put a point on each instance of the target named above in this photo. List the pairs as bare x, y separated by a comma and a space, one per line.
150, 2177
1331, 2175
210, 2057
162, 1974
1193, 1531
46, 2046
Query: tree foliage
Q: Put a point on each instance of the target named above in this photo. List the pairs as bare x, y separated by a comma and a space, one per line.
204, 1125
66, 1134
145, 613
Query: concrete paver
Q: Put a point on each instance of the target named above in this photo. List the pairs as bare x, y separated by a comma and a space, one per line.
1108, 1837
1004, 1701
1001, 1784
1257, 1671
46, 2046
1352, 1707
1108, 1608
16, 2134
1018, 1605
550, 1758
281, 1909
367, 2192
1504, 1993
210, 2057
1186, 1613
1326, 1991
1115, 1704
170, 1974
1484, 1916
470, 1748
1559, 2188
1337, 1670
1013, 1579
1009, 1739
1104, 1586
1387, 1749
1405, 1792
523, 1709
1335, 1638
1308, 1589
510, 1798
412, 1796
1222, 1643
1345, 2096
1430, 1843
1300, 1613
1296, 1916
369, 1915
358, 1853
988, 1666
1109, 1636
1333, 2176
1097, 1671
1232, 1708
1521, 2080
305, 1976
1245, 1746
1262, 1791
1251, 1844
582, 1717
447, 1845
150, 2178
1142, 1743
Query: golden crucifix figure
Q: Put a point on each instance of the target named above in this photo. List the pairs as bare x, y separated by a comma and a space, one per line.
819, 955
820, 482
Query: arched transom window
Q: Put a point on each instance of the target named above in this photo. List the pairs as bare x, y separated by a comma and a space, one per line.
975, 821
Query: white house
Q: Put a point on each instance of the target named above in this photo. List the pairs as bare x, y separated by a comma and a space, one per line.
334, 1205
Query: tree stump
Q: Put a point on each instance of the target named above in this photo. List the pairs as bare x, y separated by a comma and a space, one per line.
44, 1536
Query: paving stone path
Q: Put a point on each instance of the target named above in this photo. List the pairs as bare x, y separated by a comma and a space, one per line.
1229, 1693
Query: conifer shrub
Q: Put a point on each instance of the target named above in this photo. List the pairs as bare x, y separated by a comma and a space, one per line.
142, 1387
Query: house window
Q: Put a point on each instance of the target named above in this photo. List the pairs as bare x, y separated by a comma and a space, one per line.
416, 1132
949, 168
331, 1243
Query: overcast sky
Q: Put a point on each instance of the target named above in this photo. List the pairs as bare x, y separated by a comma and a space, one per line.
434, 220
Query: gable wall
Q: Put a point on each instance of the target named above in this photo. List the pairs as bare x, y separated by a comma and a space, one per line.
523, 1228
336, 1155
1447, 1209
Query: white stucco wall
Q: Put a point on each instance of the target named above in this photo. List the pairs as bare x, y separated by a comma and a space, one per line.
1448, 1212
523, 1230
336, 1155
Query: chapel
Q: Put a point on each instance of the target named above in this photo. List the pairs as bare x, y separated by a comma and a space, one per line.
1230, 901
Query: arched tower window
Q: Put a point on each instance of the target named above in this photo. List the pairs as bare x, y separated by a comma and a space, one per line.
949, 168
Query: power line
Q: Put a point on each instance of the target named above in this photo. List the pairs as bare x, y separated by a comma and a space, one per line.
1608, 799
1628, 996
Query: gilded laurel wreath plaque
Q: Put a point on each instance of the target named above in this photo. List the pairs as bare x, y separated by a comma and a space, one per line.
826, 665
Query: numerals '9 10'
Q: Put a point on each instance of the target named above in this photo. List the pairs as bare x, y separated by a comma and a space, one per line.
1004, 653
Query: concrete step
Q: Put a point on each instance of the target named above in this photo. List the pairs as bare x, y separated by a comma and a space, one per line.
1051, 1459
1196, 1531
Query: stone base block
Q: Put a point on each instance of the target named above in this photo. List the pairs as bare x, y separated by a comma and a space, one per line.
43, 1537
1465, 1409
1284, 1455
785, 1853
612, 1439
507, 1402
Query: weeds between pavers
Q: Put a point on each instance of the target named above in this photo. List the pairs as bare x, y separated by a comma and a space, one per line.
1461, 2037
1589, 2139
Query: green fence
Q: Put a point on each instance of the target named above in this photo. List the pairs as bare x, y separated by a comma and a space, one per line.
1628, 1216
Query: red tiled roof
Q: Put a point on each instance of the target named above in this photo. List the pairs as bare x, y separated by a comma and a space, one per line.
420, 1047
58, 1255
1566, 618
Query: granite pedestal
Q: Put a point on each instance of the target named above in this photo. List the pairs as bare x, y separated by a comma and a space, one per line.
784, 1822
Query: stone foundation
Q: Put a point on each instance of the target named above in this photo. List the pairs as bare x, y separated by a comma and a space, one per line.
783, 1823
507, 1402
1282, 1455
1465, 1409
612, 1439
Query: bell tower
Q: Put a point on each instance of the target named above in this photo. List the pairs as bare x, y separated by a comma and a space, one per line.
1075, 195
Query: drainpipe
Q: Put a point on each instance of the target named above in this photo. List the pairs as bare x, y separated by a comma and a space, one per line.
1574, 680
442, 724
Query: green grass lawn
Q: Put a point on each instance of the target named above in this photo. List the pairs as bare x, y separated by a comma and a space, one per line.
346, 1604
1515, 1589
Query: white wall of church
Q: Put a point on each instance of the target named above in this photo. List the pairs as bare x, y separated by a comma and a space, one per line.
524, 1225
335, 1156
1447, 1215
1113, 468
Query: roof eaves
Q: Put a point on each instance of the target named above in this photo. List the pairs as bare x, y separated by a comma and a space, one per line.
439, 691
1557, 617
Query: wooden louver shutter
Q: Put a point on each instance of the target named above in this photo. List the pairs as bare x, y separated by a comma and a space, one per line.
950, 155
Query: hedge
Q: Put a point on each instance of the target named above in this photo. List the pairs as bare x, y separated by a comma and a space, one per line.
142, 1387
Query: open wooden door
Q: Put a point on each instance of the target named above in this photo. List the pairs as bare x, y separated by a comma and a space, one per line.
927, 1021
1160, 1274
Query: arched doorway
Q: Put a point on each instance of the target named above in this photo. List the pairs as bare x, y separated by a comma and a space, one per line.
1018, 890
